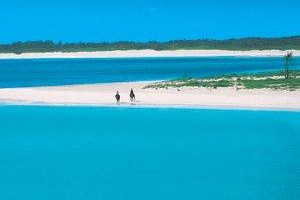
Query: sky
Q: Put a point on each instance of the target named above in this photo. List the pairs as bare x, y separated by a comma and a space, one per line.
146, 20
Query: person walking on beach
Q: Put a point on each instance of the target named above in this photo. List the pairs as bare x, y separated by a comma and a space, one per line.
118, 97
132, 95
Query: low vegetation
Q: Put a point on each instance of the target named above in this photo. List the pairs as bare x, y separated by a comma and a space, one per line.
253, 43
273, 80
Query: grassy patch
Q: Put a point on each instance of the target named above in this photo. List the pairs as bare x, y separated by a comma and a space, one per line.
289, 84
270, 80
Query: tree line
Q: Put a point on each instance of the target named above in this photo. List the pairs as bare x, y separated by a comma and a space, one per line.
253, 43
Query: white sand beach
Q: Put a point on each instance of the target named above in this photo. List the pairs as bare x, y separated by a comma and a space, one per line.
103, 95
149, 53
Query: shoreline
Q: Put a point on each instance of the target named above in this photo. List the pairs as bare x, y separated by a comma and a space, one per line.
102, 95
142, 106
149, 54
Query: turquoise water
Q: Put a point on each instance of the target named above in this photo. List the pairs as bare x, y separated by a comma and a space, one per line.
48, 72
118, 153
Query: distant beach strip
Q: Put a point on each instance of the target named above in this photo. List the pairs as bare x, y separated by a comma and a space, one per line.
149, 53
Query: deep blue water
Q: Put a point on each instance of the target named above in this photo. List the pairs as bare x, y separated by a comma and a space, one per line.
169, 154
47, 72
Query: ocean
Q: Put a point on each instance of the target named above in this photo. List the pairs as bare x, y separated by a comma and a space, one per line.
53, 72
144, 153
148, 153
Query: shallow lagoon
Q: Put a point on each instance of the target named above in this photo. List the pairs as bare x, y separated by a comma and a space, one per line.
48, 72
148, 153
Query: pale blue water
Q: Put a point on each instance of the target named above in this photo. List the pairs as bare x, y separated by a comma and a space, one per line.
70, 153
47, 72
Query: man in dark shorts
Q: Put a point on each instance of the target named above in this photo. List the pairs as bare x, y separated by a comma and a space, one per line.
118, 97
132, 95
